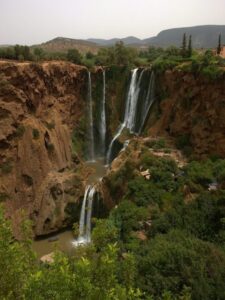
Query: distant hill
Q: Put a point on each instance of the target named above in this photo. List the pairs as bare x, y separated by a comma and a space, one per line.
130, 40
61, 44
205, 36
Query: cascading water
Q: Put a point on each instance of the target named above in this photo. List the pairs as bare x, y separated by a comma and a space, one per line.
131, 122
130, 116
103, 117
149, 100
91, 127
129, 113
85, 217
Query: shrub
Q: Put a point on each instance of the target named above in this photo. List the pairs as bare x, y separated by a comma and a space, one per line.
160, 65
200, 172
20, 130
50, 125
6, 167
3, 196
36, 133
50, 147
74, 56
212, 72
157, 144
219, 170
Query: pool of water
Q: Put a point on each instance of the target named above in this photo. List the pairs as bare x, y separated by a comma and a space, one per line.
65, 240
63, 243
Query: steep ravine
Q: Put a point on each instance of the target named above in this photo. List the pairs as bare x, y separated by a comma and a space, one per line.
43, 108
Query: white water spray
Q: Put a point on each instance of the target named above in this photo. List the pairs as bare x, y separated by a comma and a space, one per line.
85, 217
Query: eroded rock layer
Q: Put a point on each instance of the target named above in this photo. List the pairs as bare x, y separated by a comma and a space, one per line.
40, 105
193, 112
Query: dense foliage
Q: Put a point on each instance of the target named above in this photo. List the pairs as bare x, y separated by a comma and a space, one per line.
164, 240
174, 226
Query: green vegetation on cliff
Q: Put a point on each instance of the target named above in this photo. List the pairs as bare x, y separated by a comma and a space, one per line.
164, 240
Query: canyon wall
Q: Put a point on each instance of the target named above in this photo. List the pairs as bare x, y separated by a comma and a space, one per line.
192, 111
43, 131
40, 105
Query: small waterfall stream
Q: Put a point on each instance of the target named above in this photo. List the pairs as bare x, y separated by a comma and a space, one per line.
85, 217
149, 100
91, 125
103, 116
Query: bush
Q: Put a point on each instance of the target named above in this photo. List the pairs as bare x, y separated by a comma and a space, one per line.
200, 172
20, 130
156, 144
219, 170
212, 72
183, 141
126, 218
160, 65
50, 147
50, 125
6, 167
3, 196
74, 56
36, 134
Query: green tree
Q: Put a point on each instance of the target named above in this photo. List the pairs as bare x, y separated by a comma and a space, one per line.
173, 261
39, 53
74, 56
219, 45
16, 263
89, 55
184, 45
189, 52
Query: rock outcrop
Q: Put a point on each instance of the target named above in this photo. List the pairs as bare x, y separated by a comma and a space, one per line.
40, 105
193, 107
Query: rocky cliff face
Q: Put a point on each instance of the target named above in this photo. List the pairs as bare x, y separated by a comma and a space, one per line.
43, 105
40, 105
193, 112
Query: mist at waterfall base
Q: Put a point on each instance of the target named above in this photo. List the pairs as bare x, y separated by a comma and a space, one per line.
85, 217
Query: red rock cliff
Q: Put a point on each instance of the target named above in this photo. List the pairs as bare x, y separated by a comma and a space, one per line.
40, 104
195, 107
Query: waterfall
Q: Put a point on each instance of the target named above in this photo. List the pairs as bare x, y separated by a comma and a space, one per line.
91, 127
130, 114
132, 103
103, 117
118, 133
130, 110
149, 100
85, 217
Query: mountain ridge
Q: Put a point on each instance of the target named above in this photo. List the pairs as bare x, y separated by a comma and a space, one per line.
203, 36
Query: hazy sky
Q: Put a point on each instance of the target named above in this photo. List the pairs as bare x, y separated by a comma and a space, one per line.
33, 21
